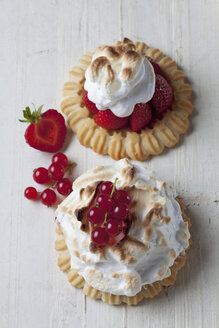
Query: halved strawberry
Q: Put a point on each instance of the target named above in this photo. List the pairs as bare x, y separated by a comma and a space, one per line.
89, 104
47, 131
155, 65
163, 95
108, 120
140, 117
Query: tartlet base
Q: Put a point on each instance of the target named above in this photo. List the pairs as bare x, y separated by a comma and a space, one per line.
147, 291
123, 142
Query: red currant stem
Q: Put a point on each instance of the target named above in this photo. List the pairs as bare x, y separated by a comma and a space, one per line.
52, 184
114, 187
105, 219
70, 167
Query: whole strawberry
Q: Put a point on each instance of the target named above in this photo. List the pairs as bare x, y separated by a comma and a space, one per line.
140, 117
46, 131
108, 120
163, 95
89, 104
156, 67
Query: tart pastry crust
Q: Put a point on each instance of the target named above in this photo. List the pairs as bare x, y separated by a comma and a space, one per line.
123, 142
147, 291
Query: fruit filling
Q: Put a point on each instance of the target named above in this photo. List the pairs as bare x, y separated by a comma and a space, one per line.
144, 114
109, 214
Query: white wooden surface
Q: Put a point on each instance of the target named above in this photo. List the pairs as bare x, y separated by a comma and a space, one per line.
39, 42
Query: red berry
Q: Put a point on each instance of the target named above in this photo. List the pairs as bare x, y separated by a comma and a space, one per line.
64, 186
30, 193
140, 117
60, 159
41, 175
121, 196
99, 236
104, 201
156, 67
56, 171
96, 215
48, 197
46, 131
109, 121
163, 95
89, 104
113, 227
106, 187
119, 211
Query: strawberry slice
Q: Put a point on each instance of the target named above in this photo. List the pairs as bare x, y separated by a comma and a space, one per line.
46, 131
140, 117
89, 104
108, 120
156, 67
163, 95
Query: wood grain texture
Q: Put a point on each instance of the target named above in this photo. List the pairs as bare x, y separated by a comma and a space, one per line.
39, 42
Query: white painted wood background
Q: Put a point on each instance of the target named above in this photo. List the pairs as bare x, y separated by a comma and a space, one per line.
39, 42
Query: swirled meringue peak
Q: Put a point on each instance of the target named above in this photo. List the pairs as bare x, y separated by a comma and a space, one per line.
119, 77
158, 234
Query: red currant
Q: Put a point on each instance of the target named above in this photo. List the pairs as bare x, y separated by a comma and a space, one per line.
106, 187
113, 227
56, 171
60, 159
104, 201
41, 175
119, 211
48, 197
64, 186
96, 215
30, 193
121, 196
99, 236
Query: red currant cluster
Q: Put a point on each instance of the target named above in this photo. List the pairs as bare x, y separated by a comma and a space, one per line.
110, 215
54, 176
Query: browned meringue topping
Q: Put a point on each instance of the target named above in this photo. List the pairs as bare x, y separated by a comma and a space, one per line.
128, 249
104, 56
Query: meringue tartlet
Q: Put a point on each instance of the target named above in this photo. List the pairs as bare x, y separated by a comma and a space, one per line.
127, 100
146, 257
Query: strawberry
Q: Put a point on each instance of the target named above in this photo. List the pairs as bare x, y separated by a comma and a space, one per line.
46, 131
140, 117
108, 120
156, 67
163, 95
89, 104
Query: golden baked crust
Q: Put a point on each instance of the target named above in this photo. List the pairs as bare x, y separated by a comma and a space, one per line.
147, 291
123, 142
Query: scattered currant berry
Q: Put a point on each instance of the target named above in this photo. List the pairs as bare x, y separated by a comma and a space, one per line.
41, 175
121, 196
60, 159
56, 171
64, 186
99, 236
104, 201
120, 211
48, 197
30, 193
106, 187
113, 227
96, 215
